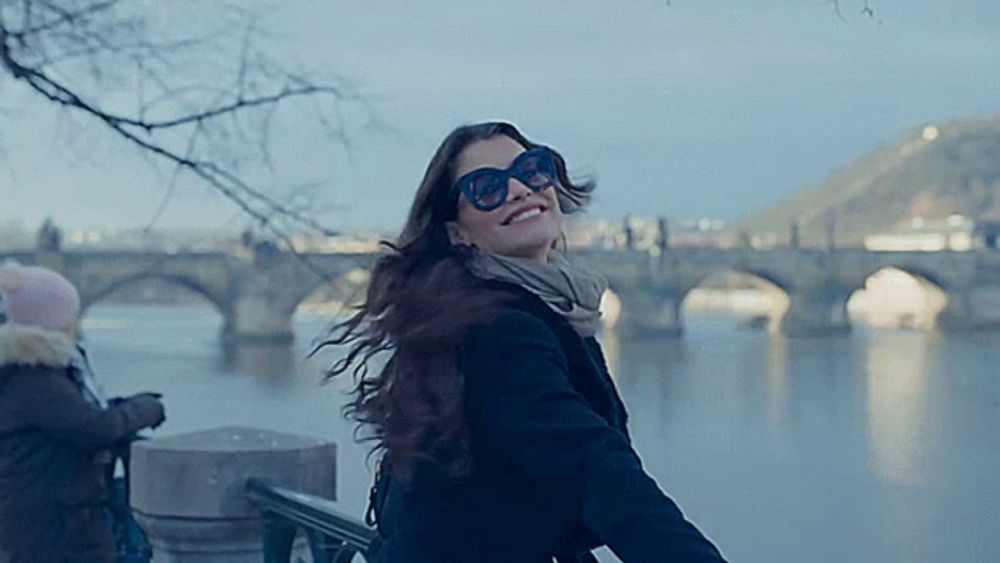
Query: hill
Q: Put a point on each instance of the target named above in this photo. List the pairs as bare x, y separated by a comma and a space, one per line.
934, 171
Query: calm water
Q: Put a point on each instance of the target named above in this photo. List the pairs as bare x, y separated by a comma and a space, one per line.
880, 446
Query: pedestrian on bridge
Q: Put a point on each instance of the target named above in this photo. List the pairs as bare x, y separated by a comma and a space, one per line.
54, 427
503, 435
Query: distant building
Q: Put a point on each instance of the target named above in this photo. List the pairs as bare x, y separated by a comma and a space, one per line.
642, 233
346, 243
956, 233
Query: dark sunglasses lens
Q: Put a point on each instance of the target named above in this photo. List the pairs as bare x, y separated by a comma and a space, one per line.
535, 169
487, 191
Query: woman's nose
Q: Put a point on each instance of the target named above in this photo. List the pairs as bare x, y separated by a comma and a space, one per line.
516, 190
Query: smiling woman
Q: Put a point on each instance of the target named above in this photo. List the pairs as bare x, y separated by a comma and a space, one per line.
504, 438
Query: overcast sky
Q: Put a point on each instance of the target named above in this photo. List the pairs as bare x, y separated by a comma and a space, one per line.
692, 109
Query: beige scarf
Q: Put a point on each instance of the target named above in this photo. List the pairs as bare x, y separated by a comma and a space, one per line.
572, 292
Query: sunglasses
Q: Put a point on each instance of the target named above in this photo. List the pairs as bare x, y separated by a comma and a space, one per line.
487, 188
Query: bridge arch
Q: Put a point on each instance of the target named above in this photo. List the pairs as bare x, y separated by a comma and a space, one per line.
770, 279
754, 298
899, 296
661, 311
191, 284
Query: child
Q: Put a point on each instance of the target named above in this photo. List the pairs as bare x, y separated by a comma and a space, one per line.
52, 434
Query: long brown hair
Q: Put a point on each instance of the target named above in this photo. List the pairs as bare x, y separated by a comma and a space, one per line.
420, 301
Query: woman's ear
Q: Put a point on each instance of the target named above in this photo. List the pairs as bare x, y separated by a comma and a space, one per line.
456, 234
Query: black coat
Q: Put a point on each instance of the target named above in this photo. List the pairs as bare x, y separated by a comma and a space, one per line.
554, 473
52, 488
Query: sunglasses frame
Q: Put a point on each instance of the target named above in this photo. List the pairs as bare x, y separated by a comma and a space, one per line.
465, 184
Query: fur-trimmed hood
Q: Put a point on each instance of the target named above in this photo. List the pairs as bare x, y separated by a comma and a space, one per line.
31, 345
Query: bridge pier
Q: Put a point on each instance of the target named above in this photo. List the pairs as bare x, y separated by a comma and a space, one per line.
48, 248
816, 312
261, 306
970, 309
257, 317
650, 313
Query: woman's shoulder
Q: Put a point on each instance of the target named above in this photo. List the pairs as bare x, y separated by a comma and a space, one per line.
517, 304
517, 311
517, 321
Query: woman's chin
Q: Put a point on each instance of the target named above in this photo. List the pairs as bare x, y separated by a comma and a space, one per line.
531, 238
533, 248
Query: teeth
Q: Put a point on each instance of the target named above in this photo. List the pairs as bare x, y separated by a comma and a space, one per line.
526, 215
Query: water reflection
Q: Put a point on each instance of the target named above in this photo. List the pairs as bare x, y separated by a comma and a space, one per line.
272, 362
649, 374
874, 446
611, 345
898, 417
777, 383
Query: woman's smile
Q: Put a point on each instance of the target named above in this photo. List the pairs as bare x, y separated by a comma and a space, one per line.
526, 213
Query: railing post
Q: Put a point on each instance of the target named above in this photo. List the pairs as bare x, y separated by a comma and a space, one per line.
189, 491
279, 536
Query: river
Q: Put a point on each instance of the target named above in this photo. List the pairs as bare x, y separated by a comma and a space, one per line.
878, 446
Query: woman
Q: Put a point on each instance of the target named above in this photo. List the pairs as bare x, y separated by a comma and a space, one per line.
505, 439
54, 431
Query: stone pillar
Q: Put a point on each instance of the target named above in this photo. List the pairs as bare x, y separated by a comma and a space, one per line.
831, 231
647, 312
259, 310
259, 315
663, 234
816, 312
188, 490
629, 233
48, 248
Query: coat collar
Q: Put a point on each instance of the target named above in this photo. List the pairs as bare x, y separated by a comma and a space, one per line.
30, 345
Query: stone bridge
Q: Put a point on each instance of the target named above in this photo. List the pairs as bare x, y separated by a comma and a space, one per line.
818, 283
257, 292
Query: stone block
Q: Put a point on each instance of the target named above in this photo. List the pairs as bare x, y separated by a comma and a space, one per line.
188, 490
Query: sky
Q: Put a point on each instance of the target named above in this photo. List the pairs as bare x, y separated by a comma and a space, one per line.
681, 109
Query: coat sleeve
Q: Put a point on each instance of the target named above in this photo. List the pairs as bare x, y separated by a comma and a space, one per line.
517, 380
49, 401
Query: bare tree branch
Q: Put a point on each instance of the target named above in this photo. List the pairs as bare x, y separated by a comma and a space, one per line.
836, 9
866, 9
231, 108
63, 17
172, 184
192, 122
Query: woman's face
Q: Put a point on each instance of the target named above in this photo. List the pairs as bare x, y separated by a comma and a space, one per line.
514, 228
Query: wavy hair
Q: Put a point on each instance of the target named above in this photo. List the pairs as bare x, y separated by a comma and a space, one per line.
420, 301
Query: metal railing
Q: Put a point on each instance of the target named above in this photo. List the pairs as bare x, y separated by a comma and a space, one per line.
333, 537
131, 543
